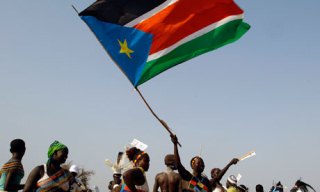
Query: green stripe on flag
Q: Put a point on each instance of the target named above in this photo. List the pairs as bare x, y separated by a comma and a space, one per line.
214, 39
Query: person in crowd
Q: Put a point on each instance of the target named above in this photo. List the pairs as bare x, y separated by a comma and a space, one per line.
197, 181
277, 188
12, 171
231, 184
116, 183
50, 177
75, 184
168, 181
243, 188
301, 186
135, 178
259, 188
217, 174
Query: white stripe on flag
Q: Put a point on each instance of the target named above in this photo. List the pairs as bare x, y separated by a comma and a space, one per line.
193, 36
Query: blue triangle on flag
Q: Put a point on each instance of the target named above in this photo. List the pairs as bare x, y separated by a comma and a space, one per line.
127, 46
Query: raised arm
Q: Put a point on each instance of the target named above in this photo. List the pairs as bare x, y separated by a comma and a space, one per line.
186, 175
224, 170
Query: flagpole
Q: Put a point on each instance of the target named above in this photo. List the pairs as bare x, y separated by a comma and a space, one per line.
163, 123
75, 9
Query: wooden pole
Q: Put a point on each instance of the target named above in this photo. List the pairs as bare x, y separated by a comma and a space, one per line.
163, 123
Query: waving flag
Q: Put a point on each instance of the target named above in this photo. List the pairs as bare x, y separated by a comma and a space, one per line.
147, 37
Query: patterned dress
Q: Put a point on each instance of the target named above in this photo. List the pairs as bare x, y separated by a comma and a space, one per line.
15, 167
199, 184
54, 183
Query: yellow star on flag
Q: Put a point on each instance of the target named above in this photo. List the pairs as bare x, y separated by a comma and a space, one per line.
124, 48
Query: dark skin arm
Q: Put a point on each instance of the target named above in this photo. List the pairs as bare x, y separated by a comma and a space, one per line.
7, 186
224, 170
156, 184
133, 177
218, 178
180, 185
186, 175
32, 179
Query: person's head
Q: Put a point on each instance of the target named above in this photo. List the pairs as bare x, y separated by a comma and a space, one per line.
139, 158
243, 188
197, 164
74, 170
117, 178
301, 186
215, 172
170, 161
18, 147
231, 181
58, 152
259, 188
110, 185
279, 187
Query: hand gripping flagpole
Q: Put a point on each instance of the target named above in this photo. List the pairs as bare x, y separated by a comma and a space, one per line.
163, 123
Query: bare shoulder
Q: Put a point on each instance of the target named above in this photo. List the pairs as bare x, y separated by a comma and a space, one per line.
174, 177
161, 175
175, 174
39, 168
38, 171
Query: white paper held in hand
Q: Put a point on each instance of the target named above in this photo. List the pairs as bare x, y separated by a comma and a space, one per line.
138, 144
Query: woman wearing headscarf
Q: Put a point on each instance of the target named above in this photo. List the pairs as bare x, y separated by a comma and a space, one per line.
135, 178
197, 182
50, 177
12, 171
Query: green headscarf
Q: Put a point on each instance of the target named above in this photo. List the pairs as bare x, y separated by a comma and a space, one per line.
55, 146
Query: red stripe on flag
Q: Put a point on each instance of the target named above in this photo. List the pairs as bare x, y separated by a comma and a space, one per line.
183, 18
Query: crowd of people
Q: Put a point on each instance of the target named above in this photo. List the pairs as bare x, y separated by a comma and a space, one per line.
52, 177
176, 178
48, 177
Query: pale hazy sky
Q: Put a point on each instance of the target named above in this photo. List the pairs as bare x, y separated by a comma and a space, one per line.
260, 93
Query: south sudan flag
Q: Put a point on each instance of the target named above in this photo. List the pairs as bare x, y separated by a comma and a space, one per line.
147, 37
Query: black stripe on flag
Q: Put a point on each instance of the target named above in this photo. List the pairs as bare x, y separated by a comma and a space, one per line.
120, 11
